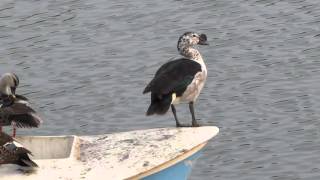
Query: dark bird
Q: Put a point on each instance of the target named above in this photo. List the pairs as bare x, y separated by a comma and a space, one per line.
180, 80
11, 152
8, 85
15, 109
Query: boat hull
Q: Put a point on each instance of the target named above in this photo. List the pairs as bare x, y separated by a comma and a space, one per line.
179, 171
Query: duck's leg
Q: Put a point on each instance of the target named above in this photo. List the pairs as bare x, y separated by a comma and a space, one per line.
14, 130
175, 115
178, 124
194, 122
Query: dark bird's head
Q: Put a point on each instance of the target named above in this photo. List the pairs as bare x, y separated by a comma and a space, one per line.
190, 39
8, 84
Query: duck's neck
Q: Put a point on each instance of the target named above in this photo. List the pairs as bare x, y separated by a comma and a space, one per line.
190, 53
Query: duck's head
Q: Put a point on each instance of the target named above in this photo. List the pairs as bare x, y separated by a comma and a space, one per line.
8, 84
190, 39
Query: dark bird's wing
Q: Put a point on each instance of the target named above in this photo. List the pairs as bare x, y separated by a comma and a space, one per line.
19, 108
17, 96
174, 76
21, 97
24, 159
26, 120
11, 154
20, 113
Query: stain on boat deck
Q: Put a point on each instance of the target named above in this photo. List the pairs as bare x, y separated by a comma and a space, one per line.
130, 153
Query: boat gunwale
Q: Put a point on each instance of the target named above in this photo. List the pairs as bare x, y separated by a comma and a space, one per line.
75, 147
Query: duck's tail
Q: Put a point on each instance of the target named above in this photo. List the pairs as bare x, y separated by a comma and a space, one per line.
19, 155
159, 104
24, 159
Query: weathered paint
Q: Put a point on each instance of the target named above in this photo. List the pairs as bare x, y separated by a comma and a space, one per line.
171, 163
109, 156
179, 171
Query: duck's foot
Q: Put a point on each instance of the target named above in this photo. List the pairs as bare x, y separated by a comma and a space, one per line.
188, 125
183, 125
195, 125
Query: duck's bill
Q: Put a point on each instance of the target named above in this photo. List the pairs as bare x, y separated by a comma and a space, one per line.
5, 91
203, 40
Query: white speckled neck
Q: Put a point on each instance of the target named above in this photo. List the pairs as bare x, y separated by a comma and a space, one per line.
191, 53
186, 49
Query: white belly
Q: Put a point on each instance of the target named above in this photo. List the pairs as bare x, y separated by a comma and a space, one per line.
193, 90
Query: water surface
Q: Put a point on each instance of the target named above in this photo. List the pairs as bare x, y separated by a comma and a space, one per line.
84, 65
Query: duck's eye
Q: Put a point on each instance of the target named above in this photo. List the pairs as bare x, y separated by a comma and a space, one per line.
193, 35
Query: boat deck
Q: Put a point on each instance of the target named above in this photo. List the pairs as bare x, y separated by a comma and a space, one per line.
127, 155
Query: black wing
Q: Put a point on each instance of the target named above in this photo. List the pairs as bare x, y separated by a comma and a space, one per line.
173, 76
21, 114
28, 120
23, 157
11, 154
21, 97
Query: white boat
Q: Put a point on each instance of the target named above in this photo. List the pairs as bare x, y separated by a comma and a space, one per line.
144, 154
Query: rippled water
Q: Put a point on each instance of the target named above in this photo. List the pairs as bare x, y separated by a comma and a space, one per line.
84, 65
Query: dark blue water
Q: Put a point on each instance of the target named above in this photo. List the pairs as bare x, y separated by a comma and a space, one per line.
84, 65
